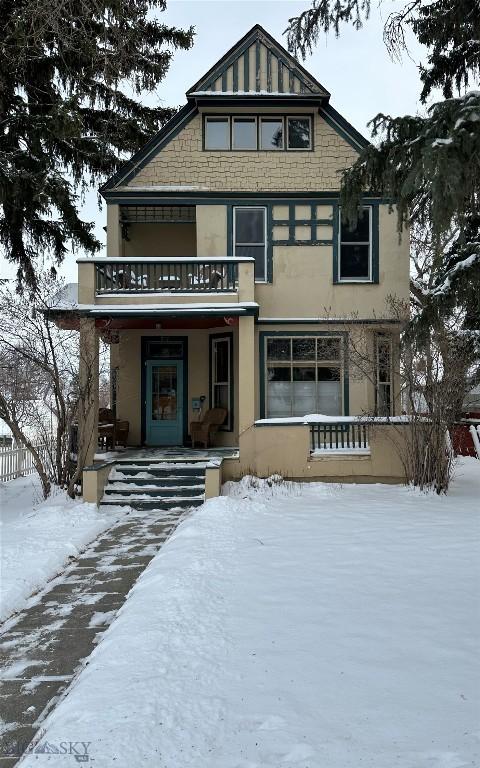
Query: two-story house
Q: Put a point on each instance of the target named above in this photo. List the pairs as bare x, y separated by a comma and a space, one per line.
230, 279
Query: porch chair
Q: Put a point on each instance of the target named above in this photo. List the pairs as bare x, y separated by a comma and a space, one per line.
111, 431
202, 431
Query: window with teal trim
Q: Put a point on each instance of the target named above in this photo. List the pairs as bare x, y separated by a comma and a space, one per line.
355, 248
303, 375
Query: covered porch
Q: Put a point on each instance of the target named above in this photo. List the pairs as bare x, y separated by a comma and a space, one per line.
170, 366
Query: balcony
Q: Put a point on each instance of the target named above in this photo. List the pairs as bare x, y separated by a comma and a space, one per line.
197, 278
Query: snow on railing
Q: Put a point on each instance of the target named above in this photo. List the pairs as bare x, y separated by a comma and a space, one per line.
16, 461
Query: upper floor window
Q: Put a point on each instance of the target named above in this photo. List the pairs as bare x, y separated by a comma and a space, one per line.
355, 262
217, 133
271, 133
258, 132
250, 237
244, 133
299, 130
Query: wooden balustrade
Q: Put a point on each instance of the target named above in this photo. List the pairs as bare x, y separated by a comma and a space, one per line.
339, 436
175, 276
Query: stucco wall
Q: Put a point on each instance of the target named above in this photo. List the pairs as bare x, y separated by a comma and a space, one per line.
183, 161
285, 450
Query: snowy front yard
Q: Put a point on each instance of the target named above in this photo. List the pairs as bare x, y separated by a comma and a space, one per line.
314, 626
37, 538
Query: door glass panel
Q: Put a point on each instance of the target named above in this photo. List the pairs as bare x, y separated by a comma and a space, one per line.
164, 393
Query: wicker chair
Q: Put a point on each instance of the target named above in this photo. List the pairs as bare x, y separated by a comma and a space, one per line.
202, 431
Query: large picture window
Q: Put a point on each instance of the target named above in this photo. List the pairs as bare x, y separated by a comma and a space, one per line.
221, 376
250, 237
303, 375
355, 262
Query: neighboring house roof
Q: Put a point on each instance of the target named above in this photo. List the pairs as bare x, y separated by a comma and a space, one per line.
288, 83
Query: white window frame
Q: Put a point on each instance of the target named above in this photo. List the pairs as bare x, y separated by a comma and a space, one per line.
340, 363
341, 242
265, 243
216, 119
271, 119
228, 426
240, 119
298, 149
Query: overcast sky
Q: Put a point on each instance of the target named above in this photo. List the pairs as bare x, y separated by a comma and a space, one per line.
355, 68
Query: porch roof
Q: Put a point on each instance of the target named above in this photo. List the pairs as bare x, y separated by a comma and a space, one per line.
160, 310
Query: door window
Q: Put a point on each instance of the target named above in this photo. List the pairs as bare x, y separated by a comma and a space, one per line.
164, 393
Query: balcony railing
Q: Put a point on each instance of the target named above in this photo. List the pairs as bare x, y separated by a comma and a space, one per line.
342, 436
179, 275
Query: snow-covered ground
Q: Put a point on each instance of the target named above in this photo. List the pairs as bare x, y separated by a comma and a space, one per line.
37, 537
313, 626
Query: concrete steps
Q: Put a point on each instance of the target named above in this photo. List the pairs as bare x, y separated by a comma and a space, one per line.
150, 485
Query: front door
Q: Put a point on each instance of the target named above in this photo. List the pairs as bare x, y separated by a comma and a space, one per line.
164, 418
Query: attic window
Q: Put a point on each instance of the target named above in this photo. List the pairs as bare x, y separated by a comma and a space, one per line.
265, 133
299, 132
217, 133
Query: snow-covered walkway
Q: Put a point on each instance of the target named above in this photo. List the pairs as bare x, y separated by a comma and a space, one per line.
313, 626
43, 646
38, 537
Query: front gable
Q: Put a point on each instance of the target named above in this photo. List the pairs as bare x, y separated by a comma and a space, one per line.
257, 77
257, 64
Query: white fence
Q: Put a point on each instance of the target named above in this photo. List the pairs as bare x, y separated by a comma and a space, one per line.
16, 461
475, 433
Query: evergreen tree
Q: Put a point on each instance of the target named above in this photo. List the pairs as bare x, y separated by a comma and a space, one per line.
71, 74
429, 165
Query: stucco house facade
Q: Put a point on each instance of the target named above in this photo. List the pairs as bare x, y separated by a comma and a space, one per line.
230, 280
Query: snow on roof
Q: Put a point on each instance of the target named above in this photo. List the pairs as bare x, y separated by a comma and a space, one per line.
66, 296
148, 309
321, 418
249, 93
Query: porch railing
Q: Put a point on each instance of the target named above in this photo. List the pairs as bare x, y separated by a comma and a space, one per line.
174, 276
339, 436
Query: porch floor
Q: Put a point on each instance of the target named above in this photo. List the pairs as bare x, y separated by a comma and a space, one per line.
173, 454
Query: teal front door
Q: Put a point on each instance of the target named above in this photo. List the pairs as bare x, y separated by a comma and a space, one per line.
164, 404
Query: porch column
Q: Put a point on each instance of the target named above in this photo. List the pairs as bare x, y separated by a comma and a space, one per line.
88, 392
246, 374
114, 232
